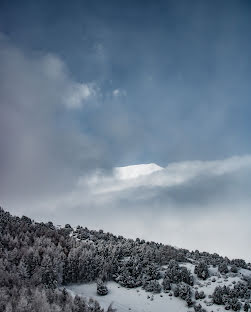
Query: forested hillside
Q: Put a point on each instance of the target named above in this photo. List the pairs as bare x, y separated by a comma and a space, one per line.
38, 258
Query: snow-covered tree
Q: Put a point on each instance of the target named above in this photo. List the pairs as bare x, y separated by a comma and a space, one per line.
223, 268
166, 284
152, 286
102, 289
201, 269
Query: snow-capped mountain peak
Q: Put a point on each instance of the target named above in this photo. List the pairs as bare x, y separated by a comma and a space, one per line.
134, 171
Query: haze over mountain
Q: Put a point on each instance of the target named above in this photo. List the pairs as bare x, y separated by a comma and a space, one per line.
188, 204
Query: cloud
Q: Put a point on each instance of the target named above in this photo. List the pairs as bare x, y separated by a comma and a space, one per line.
119, 93
42, 148
171, 179
195, 204
78, 94
72, 94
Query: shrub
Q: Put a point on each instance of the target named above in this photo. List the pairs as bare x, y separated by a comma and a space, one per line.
202, 270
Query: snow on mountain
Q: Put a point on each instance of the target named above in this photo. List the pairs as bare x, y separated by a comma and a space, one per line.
138, 300
121, 178
135, 171
126, 299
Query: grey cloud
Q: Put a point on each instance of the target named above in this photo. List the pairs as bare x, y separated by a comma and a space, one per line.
42, 149
196, 205
207, 209
188, 186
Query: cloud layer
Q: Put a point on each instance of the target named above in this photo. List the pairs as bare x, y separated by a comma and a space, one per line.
195, 204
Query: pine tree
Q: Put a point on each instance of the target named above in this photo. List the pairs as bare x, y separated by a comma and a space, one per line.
102, 289
201, 269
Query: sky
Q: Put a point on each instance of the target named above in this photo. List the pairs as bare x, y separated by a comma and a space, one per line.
130, 116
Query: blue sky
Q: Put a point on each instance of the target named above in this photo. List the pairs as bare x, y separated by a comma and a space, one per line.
86, 85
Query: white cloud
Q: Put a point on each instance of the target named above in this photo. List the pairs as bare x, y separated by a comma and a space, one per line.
53, 67
188, 204
41, 147
152, 175
119, 92
195, 204
73, 94
78, 94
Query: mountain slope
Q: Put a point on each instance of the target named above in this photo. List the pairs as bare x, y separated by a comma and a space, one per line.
38, 260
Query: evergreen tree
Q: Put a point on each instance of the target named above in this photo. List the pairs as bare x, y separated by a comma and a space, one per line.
201, 269
102, 289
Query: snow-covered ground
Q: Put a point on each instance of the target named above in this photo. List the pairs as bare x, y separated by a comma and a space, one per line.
138, 300
135, 300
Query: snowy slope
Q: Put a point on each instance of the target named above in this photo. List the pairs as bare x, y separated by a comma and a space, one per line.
138, 300
135, 300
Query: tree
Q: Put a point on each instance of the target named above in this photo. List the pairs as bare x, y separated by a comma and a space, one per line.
22, 270
246, 306
166, 284
234, 268
223, 268
22, 305
9, 307
178, 274
152, 286
199, 295
102, 289
201, 269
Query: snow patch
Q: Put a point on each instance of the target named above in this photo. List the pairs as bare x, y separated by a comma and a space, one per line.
134, 300
134, 171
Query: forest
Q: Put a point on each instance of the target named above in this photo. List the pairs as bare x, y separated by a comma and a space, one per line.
38, 259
